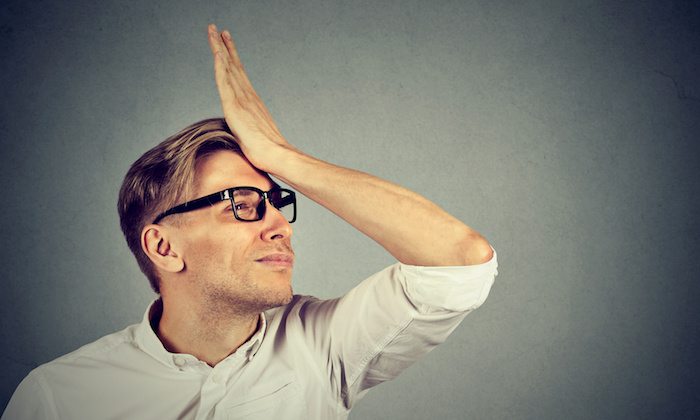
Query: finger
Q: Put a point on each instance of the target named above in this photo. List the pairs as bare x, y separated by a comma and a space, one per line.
215, 39
233, 58
226, 59
227, 75
230, 48
226, 86
218, 47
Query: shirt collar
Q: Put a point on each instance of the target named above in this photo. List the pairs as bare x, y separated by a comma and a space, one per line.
250, 348
146, 339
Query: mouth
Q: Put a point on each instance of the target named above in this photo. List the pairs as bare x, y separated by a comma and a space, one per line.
277, 260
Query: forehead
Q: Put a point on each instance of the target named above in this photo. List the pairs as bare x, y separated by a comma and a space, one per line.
227, 169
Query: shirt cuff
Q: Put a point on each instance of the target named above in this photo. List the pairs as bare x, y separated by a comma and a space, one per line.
450, 288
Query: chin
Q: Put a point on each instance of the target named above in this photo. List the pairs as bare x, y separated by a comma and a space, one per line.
279, 297
286, 298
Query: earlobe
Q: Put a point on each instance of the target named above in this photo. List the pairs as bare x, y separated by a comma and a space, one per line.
156, 243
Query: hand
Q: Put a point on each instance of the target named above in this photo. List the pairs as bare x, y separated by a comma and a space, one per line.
401, 221
246, 115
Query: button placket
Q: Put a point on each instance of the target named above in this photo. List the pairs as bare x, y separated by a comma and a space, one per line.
213, 389
218, 379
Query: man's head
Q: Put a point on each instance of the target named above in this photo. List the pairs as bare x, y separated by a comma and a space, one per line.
230, 257
165, 176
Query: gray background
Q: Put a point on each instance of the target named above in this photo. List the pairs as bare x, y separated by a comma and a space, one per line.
565, 131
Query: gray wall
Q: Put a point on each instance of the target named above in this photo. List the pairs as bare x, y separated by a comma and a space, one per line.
566, 132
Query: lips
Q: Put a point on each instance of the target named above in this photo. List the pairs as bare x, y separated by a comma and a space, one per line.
277, 260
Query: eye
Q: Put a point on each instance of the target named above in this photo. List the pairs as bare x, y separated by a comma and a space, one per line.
245, 208
228, 210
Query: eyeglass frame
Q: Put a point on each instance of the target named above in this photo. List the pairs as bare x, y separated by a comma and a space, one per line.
227, 194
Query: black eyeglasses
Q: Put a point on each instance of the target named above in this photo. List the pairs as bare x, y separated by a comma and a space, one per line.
248, 203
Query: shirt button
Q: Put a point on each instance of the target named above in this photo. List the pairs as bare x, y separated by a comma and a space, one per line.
180, 361
216, 378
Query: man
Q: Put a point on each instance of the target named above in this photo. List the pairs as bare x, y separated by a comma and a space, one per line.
227, 338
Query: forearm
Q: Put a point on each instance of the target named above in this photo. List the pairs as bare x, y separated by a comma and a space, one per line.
413, 229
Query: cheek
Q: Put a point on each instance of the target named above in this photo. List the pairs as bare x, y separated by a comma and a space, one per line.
222, 247
220, 243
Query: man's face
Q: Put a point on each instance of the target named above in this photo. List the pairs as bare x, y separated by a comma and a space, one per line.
232, 265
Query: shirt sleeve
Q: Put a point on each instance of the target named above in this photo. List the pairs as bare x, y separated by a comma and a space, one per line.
389, 321
450, 288
29, 401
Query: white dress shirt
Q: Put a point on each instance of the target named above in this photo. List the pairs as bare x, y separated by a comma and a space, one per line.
310, 359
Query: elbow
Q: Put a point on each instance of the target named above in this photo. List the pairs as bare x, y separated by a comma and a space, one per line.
476, 250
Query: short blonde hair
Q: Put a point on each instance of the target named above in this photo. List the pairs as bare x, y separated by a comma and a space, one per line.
164, 177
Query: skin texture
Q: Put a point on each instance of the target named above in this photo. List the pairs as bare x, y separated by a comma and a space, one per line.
223, 271
219, 273
411, 228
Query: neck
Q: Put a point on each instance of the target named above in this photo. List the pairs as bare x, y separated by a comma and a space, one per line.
206, 334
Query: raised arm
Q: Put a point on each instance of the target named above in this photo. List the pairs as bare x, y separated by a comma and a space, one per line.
413, 229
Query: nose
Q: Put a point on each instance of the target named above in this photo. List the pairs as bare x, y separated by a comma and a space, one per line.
275, 225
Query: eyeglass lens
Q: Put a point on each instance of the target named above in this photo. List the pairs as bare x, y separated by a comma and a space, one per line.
250, 204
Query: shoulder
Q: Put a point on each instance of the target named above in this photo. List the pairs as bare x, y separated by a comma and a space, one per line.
36, 395
89, 355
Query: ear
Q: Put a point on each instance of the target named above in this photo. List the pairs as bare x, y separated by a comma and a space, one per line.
156, 243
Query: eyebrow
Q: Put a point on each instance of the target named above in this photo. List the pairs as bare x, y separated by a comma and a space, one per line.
243, 192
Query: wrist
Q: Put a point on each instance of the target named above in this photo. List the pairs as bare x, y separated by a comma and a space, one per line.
285, 163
